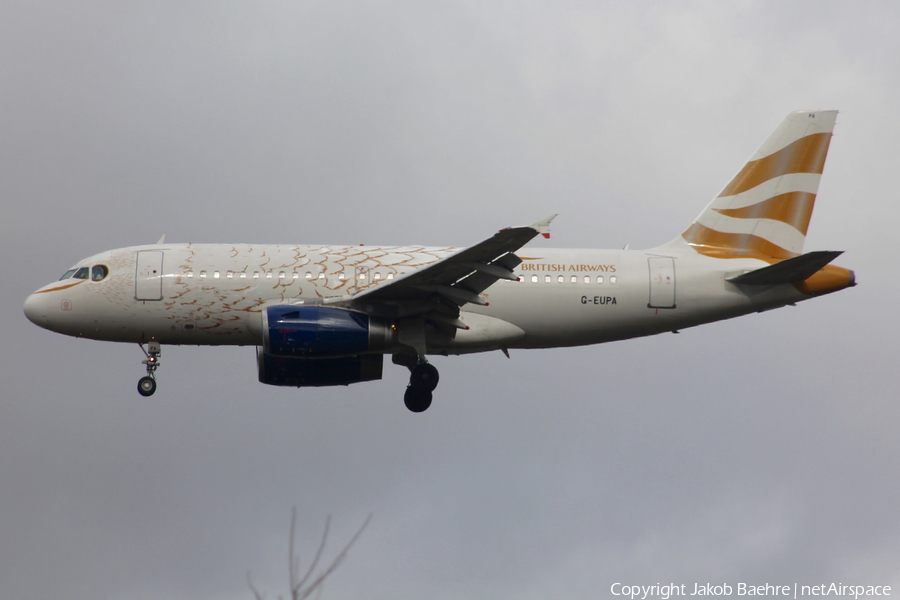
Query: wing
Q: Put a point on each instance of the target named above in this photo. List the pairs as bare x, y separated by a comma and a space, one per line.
439, 290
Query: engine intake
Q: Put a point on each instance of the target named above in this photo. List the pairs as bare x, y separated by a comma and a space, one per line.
321, 332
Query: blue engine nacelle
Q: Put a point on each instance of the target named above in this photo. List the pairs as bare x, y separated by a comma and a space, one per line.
321, 332
317, 372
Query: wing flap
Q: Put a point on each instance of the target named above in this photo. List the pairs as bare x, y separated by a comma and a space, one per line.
495, 270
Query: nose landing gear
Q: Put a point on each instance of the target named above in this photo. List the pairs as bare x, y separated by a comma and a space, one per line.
147, 384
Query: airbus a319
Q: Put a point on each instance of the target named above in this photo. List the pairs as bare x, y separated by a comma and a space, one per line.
327, 315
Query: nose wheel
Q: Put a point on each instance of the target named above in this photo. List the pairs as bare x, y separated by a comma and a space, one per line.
147, 385
423, 379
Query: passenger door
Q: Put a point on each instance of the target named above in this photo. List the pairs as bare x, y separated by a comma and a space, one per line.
662, 282
148, 275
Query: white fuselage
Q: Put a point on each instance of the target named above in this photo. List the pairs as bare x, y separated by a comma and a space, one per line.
214, 294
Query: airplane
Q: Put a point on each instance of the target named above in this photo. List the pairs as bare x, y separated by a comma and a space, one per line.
327, 315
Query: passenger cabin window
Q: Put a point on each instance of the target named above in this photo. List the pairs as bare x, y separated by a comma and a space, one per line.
296, 275
341, 276
189, 274
377, 276
268, 274
243, 274
99, 272
534, 279
612, 279
574, 279
321, 275
202, 274
308, 275
390, 275
599, 278
215, 274
560, 279
255, 274
229, 274
281, 275
546, 279
587, 278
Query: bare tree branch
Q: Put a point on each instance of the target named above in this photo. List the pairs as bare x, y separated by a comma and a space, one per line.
334, 564
315, 561
253, 588
298, 586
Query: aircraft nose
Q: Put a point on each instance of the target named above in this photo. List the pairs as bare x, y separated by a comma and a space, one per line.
36, 309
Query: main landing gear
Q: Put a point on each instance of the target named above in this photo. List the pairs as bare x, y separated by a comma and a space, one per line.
147, 384
423, 378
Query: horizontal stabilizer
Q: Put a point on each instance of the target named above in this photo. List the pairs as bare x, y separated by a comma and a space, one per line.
791, 270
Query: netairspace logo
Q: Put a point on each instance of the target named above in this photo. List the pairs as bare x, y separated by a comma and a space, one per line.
673, 590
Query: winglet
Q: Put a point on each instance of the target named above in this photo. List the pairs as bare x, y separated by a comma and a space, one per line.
543, 226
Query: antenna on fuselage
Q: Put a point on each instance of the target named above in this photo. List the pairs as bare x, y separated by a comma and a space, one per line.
162, 240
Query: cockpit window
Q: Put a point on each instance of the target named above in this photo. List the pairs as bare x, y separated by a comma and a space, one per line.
67, 274
81, 273
99, 272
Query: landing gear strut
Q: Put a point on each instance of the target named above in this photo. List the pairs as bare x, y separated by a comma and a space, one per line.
423, 378
147, 384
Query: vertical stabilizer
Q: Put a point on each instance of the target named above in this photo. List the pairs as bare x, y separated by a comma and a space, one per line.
764, 211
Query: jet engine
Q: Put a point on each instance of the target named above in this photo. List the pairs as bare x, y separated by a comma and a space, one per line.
317, 372
311, 346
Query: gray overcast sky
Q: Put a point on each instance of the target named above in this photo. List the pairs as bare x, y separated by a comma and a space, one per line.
760, 450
